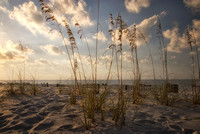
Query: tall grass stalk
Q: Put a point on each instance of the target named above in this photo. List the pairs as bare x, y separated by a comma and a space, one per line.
132, 36
141, 35
21, 82
163, 50
119, 109
97, 34
20, 77
82, 34
33, 87
192, 42
162, 94
189, 39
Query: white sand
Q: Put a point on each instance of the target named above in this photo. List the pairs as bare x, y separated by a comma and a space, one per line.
50, 112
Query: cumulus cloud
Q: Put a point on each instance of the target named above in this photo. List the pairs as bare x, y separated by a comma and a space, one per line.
126, 56
42, 61
28, 15
145, 28
179, 42
193, 4
101, 37
14, 51
136, 5
74, 11
52, 49
3, 9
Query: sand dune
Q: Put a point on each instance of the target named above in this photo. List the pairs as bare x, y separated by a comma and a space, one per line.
50, 112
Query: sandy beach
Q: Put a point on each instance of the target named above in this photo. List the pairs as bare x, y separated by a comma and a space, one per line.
51, 112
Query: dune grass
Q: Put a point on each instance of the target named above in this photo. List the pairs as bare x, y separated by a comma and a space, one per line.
195, 83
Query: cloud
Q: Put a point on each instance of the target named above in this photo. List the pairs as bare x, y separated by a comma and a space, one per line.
144, 61
193, 4
11, 51
173, 57
101, 37
42, 61
73, 10
52, 49
29, 16
126, 56
179, 42
136, 5
145, 28
196, 30
5, 10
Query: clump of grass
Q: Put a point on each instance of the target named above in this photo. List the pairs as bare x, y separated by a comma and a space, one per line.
131, 35
92, 104
195, 95
34, 88
195, 87
21, 83
10, 88
72, 96
88, 103
60, 86
101, 101
163, 96
119, 110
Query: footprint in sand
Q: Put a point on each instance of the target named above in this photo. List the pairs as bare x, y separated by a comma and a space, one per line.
17, 111
45, 125
33, 120
23, 127
72, 116
55, 108
43, 113
176, 127
27, 106
146, 122
25, 102
65, 127
3, 117
3, 122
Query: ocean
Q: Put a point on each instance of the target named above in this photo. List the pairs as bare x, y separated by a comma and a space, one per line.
180, 82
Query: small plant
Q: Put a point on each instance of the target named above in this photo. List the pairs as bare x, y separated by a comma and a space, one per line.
119, 110
86, 121
33, 87
60, 87
195, 87
72, 96
101, 101
21, 83
10, 88
163, 95
195, 95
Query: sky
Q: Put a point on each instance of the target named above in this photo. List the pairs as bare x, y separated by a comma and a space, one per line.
45, 57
